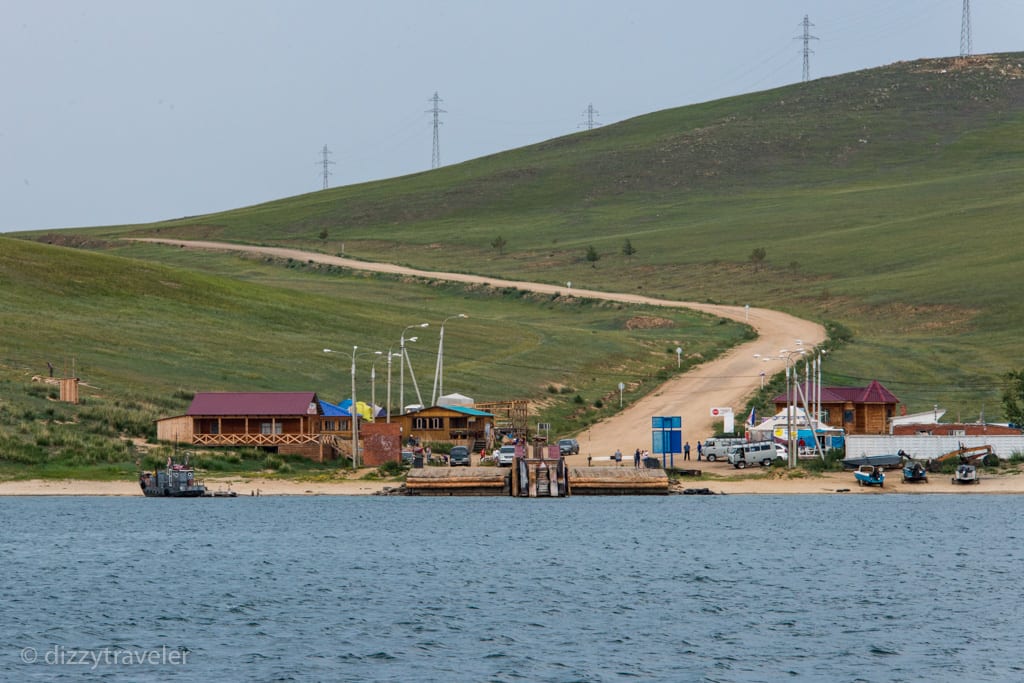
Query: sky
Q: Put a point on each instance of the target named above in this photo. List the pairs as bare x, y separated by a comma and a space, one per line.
121, 111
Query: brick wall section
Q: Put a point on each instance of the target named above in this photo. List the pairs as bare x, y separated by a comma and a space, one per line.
381, 442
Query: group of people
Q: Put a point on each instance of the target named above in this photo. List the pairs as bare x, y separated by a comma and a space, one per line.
686, 451
638, 457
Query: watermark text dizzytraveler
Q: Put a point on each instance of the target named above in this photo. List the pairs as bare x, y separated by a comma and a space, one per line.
58, 655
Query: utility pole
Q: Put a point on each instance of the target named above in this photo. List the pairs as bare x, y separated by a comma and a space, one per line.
807, 38
966, 48
590, 113
435, 158
326, 163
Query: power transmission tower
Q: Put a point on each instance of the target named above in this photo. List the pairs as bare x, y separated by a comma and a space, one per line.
435, 158
325, 162
590, 113
807, 38
966, 48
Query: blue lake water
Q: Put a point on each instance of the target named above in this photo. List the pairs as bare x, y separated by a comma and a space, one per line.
680, 588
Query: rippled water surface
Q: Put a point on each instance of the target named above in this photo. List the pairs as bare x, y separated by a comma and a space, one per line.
724, 588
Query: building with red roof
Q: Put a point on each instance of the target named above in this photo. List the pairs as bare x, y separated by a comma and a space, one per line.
277, 421
858, 410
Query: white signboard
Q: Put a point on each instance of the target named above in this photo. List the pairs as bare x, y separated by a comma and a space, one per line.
720, 412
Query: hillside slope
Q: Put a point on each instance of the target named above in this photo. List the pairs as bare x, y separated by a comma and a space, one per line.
886, 200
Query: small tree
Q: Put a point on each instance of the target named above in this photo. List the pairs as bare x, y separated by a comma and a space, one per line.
627, 248
1013, 397
592, 256
323, 235
499, 244
757, 257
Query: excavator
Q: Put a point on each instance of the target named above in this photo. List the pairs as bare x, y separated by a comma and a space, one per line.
966, 455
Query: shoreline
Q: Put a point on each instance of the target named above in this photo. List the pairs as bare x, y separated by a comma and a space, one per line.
776, 483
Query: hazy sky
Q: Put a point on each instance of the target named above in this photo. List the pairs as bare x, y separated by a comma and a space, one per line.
124, 111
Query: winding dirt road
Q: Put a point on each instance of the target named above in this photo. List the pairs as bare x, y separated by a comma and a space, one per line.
724, 382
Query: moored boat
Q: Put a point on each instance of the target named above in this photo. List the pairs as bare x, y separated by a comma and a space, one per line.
176, 481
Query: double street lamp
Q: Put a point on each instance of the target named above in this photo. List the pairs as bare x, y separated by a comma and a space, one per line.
438, 390
405, 360
791, 378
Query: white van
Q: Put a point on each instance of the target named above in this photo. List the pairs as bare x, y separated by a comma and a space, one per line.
760, 452
718, 447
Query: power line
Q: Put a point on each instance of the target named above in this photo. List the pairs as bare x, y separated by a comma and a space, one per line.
965, 31
435, 158
325, 162
807, 38
590, 113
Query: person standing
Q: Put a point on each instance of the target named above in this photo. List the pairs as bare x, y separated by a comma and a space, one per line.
636, 459
618, 457
686, 451
700, 451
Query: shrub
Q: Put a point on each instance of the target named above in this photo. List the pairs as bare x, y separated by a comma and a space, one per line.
392, 468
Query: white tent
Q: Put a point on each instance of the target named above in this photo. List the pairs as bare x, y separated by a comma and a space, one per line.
455, 400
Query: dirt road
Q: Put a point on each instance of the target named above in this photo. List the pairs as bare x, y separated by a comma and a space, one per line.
724, 382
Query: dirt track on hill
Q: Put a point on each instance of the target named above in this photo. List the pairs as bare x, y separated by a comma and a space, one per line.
724, 382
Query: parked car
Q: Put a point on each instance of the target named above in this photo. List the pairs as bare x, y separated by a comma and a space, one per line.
506, 454
761, 452
568, 446
459, 455
717, 448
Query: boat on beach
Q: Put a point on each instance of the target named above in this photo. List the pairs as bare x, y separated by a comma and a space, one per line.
890, 460
914, 472
870, 475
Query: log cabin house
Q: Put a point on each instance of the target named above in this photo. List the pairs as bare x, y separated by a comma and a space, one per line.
458, 425
858, 410
281, 422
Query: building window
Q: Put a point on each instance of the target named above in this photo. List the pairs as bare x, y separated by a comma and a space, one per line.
436, 423
957, 432
419, 423
267, 428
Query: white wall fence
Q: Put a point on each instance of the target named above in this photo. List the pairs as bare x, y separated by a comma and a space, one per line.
925, 447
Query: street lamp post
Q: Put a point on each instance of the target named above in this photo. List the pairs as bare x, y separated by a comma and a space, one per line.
788, 356
390, 356
354, 415
373, 384
438, 389
401, 373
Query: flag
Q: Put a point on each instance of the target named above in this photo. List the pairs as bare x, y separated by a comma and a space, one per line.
752, 418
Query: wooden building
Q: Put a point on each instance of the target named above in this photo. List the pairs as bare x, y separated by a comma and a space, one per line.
282, 422
458, 425
858, 410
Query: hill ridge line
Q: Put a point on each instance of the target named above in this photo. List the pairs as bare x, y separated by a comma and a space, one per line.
726, 381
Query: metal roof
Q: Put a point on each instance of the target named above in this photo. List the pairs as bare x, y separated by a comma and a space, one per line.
253, 403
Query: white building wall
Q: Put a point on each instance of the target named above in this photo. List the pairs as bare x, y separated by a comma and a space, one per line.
927, 447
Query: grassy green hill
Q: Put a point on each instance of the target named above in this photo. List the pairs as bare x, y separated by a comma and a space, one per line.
886, 200
145, 336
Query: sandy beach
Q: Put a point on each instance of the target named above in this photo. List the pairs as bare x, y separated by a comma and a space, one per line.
720, 477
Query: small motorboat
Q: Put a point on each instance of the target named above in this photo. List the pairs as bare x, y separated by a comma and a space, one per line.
966, 474
914, 472
886, 460
870, 475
